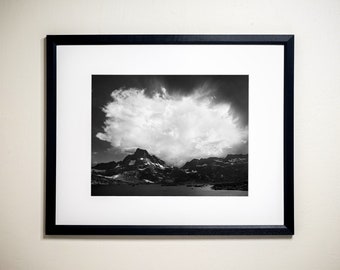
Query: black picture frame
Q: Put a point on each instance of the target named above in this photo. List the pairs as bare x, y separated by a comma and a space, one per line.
53, 41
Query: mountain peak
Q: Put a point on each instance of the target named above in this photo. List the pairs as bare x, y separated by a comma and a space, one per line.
141, 154
140, 151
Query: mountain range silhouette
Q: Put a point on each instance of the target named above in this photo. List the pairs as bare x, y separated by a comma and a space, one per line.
143, 168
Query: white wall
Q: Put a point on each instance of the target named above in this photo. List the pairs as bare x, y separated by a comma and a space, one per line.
23, 26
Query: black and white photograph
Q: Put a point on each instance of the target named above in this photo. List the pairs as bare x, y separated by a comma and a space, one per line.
169, 135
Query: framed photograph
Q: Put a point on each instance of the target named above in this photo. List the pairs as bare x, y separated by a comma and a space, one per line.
169, 135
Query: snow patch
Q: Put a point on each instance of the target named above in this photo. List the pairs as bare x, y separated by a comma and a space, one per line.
148, 181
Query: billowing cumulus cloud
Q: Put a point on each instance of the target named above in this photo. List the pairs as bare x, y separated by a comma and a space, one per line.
174, 128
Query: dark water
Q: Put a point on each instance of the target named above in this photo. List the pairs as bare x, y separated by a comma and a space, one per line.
159, 190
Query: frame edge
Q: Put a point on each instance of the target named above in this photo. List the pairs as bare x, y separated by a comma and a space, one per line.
50, 189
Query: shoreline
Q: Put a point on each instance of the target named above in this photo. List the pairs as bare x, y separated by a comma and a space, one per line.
162, 190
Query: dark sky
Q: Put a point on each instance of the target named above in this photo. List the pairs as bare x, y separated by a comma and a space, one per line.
232, 89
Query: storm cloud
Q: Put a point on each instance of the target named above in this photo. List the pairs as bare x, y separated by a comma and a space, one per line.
177, 118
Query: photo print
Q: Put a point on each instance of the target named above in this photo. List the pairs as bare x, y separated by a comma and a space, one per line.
169, 135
